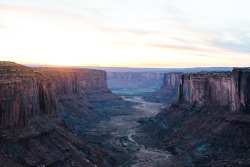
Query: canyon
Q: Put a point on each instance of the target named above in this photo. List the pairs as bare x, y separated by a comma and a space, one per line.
134, 81
209, 123
32, 131
168, 93
64, 116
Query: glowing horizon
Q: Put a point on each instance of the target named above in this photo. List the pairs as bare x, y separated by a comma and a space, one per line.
156, 34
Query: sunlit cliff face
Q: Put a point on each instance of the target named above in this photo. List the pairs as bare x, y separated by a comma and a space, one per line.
126, 33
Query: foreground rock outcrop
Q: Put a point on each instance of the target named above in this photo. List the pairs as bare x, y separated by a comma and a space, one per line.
31, 132
210, 123
25, 93
168, 93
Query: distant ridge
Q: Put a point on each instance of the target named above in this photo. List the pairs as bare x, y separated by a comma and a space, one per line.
133, 69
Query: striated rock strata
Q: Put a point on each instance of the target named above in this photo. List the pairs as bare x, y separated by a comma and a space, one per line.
134, 81
210, 123
217, 88
89, 84
25, 93
240, 90
206, 87
33, 97
168, 93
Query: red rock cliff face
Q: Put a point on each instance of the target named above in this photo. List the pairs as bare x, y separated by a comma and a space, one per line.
134, 80
241, 89
24, 93
171, 80
206, 88
89, 84
217, 88
168, 93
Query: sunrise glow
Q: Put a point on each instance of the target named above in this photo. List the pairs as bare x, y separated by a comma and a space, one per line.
126, 33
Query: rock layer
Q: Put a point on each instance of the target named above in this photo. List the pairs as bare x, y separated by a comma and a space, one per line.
241, 90
168, 93
25, 93
89, 84
203, 88
209, 124
134, 81
217, 88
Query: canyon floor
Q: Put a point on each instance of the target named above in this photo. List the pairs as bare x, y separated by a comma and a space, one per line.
119, 131
114, 128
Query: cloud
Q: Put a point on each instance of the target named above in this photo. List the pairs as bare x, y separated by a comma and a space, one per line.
184, 48
239, 44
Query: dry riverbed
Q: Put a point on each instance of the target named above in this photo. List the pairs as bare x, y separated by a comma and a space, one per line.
116, 135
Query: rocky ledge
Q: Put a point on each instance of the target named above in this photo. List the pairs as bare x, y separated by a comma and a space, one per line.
89, 84
31, 132
25, 93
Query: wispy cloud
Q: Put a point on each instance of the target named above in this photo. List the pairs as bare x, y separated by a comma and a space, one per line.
143, 33
237, 43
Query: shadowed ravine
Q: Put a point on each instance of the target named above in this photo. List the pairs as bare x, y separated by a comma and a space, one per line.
146, 156
120, 130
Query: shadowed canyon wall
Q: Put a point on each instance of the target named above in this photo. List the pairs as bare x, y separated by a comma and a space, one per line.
135, 81
209, 124
217, 88
25, 92
31, 131
206, 87
241, 90
168, 93
89, 84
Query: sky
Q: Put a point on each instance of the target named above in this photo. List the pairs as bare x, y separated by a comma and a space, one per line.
126, 33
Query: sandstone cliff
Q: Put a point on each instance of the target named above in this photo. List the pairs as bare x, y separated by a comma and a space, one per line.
206, 87
134, 81
209, 124
240, 90
89, 84
168, 93
24, 92
33, 97
217, 88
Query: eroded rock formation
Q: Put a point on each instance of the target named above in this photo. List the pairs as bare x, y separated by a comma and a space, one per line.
209, 124
217, 88
168, 93
31, 97
206, 87
89, 84
134, 81
240, 90
25, 92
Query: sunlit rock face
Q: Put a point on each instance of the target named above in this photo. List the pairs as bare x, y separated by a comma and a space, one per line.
168, 93
89, 84
24, 92
241, 89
